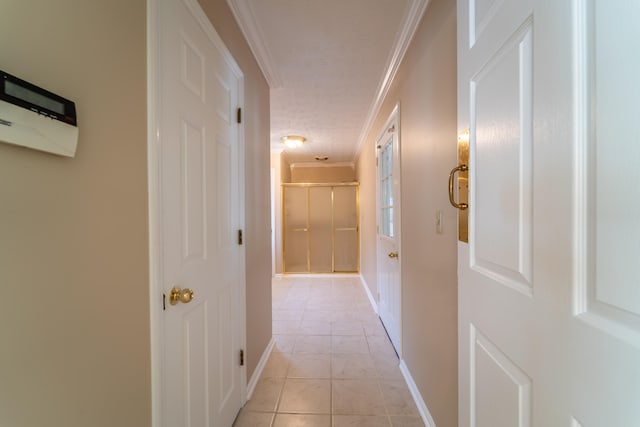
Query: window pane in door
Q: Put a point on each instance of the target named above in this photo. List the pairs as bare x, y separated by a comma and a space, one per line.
386, 189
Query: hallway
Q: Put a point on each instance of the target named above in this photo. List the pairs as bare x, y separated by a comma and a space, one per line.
332, 364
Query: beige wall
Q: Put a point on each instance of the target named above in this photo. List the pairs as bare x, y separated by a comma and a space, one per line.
73, 232
425, 87
322, 174
74, 316
285, 168
258, 199
366, 176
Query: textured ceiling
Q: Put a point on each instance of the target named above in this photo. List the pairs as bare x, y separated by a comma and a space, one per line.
327, 62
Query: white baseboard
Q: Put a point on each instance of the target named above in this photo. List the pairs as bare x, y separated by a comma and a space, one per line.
417, 397
320, 275
251, 386
372, 300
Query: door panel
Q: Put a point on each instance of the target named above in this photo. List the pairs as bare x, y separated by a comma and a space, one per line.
196, 358
606, 298
193, 188
226, 354
501, 188
549, 325
225, 159
614, 235
495, 378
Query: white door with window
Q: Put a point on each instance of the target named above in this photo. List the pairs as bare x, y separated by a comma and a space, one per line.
200, 264
549, 295
388, 238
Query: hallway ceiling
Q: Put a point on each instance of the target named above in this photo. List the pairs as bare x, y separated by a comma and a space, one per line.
328, 64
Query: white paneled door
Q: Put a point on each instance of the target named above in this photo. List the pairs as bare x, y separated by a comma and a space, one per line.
549, 288
388, 235
200, 199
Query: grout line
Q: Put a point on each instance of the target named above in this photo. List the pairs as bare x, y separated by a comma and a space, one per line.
331, 382
284, 383
384, 402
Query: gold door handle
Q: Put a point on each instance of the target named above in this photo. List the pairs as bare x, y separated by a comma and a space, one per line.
393, 255
180, 295
461, 168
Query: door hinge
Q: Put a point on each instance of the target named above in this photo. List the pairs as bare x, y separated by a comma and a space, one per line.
239, 118
164, 302
241, 357
240, 237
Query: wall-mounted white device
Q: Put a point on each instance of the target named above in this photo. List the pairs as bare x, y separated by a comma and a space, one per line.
36, 118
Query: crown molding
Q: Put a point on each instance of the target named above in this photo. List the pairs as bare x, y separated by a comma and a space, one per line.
409, 27
323, 165
245, 16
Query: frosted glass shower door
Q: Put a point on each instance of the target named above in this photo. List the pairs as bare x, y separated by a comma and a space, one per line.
296, 230
320, 226
320, 223
345, 222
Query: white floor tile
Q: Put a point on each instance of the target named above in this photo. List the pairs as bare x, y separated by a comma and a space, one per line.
332, 365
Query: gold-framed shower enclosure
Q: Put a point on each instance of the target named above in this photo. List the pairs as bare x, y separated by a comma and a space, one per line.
307, 229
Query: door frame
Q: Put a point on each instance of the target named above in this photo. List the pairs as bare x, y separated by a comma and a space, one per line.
154, 163
394, 118
273, 222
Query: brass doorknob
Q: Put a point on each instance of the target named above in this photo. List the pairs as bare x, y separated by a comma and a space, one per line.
393, 255
180, 295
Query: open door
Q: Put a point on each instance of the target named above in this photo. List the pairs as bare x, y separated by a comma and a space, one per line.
388, 230
549, 300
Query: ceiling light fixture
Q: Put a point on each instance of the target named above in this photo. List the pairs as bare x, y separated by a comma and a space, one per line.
321, 158
293, 141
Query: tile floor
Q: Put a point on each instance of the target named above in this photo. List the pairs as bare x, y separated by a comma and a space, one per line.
332, 365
